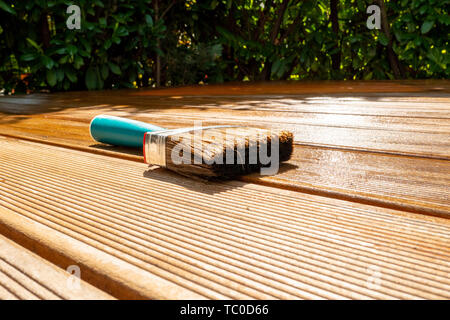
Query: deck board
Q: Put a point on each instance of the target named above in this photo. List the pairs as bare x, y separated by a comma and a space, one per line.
145, 231
376, 144
360, 211
405, 183
407, 122
24, 275
427, 139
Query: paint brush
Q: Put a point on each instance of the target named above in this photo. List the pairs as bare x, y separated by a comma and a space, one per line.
212, 152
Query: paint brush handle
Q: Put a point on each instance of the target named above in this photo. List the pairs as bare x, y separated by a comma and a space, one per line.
120, 131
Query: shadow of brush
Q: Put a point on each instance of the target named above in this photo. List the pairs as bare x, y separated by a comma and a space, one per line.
198, 184
193, 184
124, 150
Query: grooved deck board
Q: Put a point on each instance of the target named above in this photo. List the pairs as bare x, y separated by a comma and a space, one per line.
406, 183
383, 143
403, 136
149, 233
24, 275
410, 118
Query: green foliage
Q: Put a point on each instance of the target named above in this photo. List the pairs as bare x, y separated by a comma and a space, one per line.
422, 35
302, 45
186, 65
116, 43
120, 42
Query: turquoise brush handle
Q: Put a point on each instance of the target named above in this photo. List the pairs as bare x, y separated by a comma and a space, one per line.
120, 131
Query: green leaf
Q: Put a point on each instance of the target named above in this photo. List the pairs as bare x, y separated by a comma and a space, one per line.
116, 40
99, 3
78, 62
107, 44
368, 76
398, 35
423, 9
114, 68
59, 75
51, 78
444, 19
99, 79
390, 75
71, 49
7, 8
105, 71
149, 20
47, 62
70, 75
383, 39
66, 85
60, 51
86, 44
275, 67
371, 52
91, 78
83, 53
28, 56
35, 45
417, 41
64, 59
122, 31
426, 26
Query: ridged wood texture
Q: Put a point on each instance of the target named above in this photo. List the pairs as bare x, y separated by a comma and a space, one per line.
145, 233
24, 275
383, 143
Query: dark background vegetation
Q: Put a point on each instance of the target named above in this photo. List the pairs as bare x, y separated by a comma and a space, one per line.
124, 43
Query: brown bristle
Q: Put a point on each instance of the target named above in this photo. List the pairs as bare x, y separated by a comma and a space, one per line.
208, 146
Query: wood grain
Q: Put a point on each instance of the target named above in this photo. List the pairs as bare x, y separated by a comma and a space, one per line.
413, 123
404, 183
381, 143
145, 231
24, 275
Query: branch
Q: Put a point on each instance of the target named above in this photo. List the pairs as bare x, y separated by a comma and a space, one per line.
392, 57
280, 14
167, 9
263, 17
335, 58
291, 28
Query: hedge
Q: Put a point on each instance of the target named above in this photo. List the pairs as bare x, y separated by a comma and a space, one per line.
140, 43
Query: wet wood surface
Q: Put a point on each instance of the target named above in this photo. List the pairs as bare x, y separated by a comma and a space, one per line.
25, 275
366, 193
384, 143
137, 232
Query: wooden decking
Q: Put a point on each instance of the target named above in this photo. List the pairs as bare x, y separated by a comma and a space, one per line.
24, 275
361, 211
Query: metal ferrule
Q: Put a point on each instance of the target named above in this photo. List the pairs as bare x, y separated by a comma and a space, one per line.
155, 143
